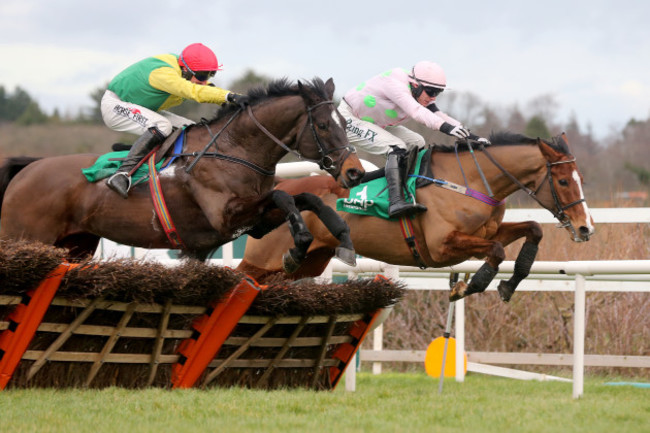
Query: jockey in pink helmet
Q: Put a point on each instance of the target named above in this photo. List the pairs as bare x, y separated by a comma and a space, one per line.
137, 100
375, 109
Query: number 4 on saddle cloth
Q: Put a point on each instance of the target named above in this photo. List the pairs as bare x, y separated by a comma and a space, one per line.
371, 197
108, 163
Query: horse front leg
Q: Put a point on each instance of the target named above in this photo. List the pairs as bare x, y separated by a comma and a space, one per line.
508, 233
302, 237
461, 245
334, 224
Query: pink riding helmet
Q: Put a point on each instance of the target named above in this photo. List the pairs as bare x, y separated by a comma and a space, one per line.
429, 74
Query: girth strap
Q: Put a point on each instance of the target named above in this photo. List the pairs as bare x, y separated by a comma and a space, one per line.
411, 241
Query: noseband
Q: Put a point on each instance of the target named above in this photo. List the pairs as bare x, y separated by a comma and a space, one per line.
559, 208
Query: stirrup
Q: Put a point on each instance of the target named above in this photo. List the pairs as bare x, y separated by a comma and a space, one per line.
119, 186
405, 209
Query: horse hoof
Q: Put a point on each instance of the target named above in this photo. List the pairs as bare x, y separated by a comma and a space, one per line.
505, 291
346, 255
458, 291
289, 265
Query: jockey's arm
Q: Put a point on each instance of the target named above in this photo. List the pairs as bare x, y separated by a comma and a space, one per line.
402, 97
168, 80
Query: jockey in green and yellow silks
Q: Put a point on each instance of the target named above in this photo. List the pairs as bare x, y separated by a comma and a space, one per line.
137, 98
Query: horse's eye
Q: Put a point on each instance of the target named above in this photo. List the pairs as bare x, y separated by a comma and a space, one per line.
322, 126
563, 182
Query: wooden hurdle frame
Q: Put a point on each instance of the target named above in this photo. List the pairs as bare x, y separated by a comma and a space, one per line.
178, 346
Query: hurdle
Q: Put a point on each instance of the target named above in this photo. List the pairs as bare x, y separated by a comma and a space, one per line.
200, 326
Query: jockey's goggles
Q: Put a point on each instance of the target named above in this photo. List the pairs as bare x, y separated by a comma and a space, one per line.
432, 91
204, 75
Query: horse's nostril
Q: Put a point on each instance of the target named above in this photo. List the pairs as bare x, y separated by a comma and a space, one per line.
584, 232
354, 174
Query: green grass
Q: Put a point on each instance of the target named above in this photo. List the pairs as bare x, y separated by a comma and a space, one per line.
392, 402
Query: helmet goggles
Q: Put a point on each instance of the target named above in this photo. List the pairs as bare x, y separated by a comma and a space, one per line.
432, 91
200, 75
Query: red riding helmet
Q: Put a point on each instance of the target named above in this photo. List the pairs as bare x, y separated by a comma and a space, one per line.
198, 57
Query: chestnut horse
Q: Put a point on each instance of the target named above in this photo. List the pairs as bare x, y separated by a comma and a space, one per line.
456, 226
213, 196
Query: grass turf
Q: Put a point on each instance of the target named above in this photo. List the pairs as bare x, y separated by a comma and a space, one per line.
392, 402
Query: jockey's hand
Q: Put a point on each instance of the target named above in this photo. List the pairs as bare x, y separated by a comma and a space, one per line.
455, 131
482, 140
236, 98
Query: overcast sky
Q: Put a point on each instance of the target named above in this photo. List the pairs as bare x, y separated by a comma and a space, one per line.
593, 56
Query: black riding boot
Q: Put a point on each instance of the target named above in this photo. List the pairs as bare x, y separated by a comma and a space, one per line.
397, 206
120, 182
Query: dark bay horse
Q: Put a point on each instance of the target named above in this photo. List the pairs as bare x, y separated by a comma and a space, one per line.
456, 226
213, 195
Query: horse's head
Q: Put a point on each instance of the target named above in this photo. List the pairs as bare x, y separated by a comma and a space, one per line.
560, 191
323, 138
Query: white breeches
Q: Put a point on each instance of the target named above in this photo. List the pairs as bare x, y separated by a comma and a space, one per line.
127, 117
375, 139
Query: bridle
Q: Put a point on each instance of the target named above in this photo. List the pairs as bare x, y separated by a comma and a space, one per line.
558, 212
325, 162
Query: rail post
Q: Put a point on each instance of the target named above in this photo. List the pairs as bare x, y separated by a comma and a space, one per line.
579, 336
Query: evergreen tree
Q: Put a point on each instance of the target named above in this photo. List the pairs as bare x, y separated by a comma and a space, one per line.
32, 115
536, 127
19, 105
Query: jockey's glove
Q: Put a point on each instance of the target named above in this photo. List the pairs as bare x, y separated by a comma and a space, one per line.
482, 140
236, 98
455, 131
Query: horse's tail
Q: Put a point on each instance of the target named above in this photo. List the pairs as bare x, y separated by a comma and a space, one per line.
9, 169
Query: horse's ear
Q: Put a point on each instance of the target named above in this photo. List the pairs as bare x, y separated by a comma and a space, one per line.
549, 153
563, 139
329, 88
307, 94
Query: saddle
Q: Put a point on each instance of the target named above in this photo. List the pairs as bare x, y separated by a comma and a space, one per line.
371, 196
408, 165
162, 151
108, 163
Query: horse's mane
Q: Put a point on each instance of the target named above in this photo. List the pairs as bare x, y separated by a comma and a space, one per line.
506, 138
275, 88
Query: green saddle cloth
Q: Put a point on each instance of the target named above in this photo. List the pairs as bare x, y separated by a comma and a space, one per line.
104, 167
371, 198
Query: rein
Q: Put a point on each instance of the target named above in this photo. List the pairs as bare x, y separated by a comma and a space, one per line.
204, 153
325, 162
558, 212
201, 154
